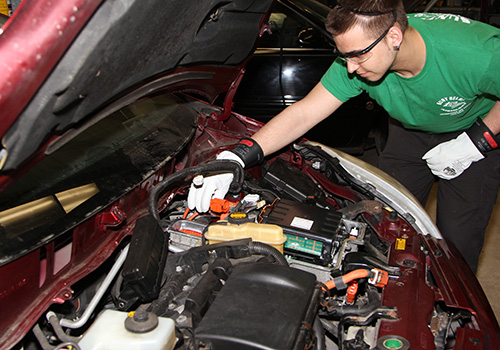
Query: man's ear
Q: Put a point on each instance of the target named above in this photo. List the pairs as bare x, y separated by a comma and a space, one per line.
395, 37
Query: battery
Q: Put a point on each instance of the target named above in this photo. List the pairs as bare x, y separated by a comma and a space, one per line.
310, 230
290, 182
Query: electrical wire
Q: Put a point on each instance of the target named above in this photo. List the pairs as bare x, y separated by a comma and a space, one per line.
337, 282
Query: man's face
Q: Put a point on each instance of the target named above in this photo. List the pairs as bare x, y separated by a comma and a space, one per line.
372, 65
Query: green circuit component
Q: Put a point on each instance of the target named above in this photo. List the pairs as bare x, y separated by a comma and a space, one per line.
305, 245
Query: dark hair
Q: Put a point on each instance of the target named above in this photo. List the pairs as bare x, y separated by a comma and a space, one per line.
373, 16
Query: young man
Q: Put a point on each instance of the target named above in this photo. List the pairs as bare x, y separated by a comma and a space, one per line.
438, 76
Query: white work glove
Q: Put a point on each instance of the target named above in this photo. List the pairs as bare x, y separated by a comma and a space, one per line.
203, 189
449, 159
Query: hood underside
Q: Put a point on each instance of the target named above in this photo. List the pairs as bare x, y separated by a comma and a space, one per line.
124, 46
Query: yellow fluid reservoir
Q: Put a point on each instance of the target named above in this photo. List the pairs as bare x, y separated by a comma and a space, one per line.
265, 233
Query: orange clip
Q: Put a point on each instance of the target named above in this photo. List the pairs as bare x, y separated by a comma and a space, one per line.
220, 205
351, 292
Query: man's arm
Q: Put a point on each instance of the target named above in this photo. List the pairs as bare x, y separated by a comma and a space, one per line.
287, 126
296, 120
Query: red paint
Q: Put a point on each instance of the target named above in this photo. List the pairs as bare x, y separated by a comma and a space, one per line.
32, 43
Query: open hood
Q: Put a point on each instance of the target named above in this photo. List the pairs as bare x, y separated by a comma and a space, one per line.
67, 60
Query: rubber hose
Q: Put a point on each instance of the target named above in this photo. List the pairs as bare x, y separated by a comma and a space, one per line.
40, 336
216, 166
54, 322
267, 250
358, 310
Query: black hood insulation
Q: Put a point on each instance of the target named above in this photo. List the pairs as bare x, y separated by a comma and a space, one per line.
127, 44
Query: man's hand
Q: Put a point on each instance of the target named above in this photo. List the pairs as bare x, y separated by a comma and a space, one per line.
449, 159
203, 189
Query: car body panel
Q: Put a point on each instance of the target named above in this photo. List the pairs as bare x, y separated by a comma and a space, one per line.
449, 270
32, 42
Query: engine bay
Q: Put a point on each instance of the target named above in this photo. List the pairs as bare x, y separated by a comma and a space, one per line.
299, 255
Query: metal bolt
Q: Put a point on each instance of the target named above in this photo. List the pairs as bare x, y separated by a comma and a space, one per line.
408, 262
181, 319
316, 165
475, 341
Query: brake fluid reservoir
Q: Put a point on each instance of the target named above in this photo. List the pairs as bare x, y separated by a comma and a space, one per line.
265, 233
108, 332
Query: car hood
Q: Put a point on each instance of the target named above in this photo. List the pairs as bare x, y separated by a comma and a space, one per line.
67, 61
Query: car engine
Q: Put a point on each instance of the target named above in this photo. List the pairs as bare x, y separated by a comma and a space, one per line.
295, 257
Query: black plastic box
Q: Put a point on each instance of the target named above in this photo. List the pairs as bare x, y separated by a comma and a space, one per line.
261, 306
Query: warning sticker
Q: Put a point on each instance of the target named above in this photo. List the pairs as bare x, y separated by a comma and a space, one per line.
5, 7
302, 223
400, 244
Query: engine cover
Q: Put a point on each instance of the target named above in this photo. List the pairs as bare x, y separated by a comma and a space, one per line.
261, 306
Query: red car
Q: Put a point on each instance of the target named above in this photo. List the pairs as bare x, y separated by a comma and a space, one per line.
107, 116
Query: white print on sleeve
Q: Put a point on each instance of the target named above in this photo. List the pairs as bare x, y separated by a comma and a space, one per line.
442, 16
453, 105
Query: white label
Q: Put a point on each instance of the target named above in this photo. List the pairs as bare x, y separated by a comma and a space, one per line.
302, 223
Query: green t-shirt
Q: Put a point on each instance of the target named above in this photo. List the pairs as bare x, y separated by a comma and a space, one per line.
459, 82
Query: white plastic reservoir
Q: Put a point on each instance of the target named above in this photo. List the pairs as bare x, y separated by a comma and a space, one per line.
108, 333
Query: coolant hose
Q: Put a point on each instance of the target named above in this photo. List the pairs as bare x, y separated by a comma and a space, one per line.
267, 250
54, 322
45, 345
42, 339
214, 167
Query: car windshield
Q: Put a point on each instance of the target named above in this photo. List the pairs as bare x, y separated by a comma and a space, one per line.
91, 170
